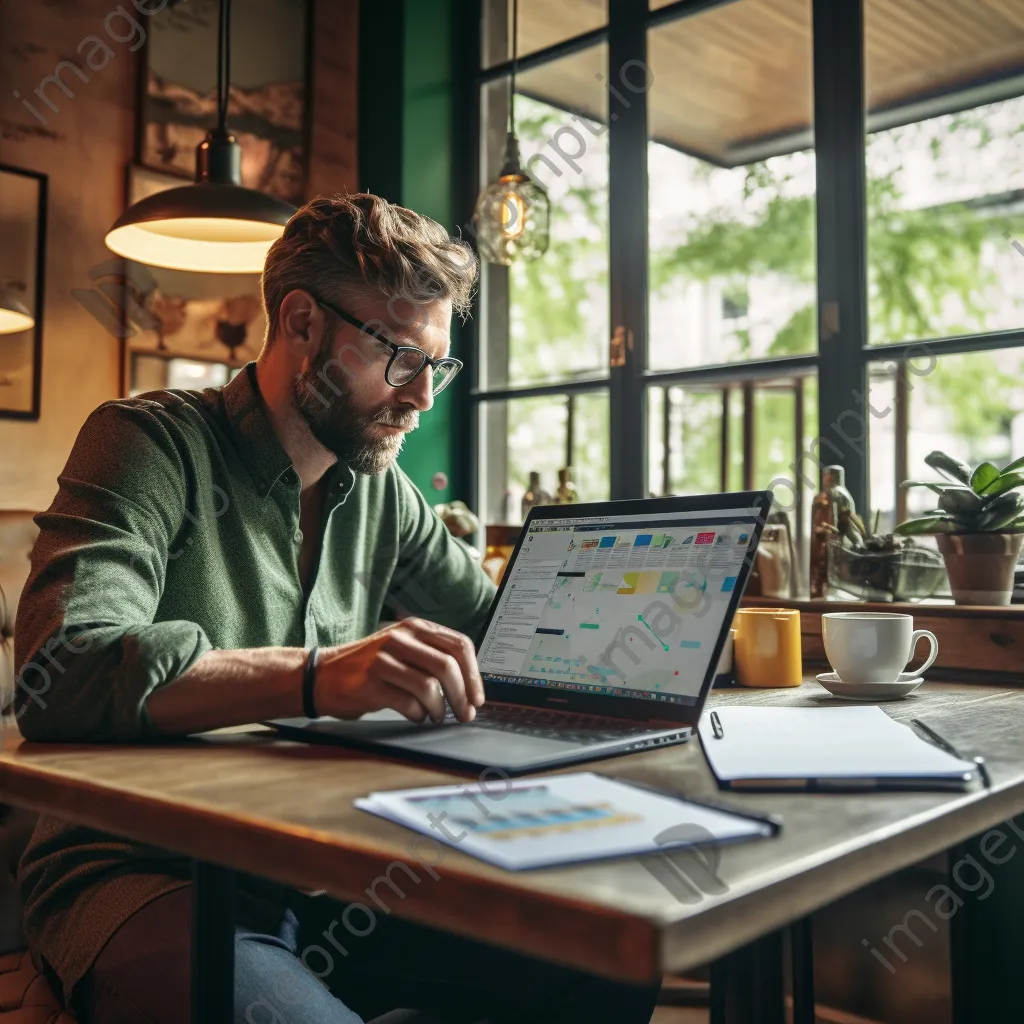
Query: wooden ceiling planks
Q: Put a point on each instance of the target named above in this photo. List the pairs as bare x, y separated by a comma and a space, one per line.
921, 47
749, 75
543, 23
742, 72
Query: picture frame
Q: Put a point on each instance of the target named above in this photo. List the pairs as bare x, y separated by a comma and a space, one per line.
268, 107
23, 217
179, 315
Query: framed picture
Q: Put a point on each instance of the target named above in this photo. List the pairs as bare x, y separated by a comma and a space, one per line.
176, 314
22, 273
270, 43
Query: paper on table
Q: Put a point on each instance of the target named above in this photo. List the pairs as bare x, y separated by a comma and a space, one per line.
561, 819
822, 743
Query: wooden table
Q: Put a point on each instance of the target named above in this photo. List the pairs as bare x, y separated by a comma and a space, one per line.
283, 810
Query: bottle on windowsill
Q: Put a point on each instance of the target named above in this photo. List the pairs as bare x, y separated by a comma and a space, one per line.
534, 495
823, 521
833, 513
566, 493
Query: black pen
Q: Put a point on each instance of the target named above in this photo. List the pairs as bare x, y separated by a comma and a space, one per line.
716, 726
942, 744
772, 820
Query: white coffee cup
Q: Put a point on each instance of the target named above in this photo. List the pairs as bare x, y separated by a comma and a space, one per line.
874, 647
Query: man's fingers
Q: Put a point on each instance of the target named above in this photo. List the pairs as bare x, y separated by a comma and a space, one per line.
459, 646
387, 695
436, 661
420, 685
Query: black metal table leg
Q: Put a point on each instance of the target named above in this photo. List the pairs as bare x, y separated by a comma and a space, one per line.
213, 943
986, 926
801, 939
747, 984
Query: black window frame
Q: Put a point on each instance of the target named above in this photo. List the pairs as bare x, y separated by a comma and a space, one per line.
844, 354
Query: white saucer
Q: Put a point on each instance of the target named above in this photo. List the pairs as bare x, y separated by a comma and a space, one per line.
868, 691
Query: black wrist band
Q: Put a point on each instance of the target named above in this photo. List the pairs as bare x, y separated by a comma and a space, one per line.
308, 682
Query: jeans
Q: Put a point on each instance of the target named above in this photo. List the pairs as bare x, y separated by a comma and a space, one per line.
296, 964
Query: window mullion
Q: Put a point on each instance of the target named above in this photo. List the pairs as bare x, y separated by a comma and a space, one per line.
627, 214
839, 132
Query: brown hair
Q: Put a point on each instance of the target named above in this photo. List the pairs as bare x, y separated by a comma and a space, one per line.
335, 245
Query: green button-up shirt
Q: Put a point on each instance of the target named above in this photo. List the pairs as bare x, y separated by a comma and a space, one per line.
175, 530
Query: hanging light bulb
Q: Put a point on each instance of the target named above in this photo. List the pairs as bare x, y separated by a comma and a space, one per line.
513, 214
215, 225
14, 315
513, 210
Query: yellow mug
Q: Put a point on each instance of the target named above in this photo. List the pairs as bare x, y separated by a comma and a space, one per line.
767, 649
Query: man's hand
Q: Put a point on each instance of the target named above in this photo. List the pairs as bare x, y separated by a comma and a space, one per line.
410, 667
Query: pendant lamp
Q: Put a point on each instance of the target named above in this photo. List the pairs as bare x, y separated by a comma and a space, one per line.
14, 315
215, 225
513, 214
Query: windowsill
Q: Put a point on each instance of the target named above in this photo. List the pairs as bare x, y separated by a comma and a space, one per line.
976, 643
931, 607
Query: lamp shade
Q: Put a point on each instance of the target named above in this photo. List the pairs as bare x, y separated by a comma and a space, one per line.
14, 315
209, 227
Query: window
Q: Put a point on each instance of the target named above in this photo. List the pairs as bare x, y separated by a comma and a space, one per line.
543, 435
731, 203
546, 322
945, 202
550, 317
746, 299
941, 192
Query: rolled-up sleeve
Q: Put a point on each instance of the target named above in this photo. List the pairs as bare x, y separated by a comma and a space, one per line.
87, 649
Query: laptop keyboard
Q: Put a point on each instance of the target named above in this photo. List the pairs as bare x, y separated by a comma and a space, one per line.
552, 725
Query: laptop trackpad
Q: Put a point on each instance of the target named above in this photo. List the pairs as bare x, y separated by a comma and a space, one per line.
474, 743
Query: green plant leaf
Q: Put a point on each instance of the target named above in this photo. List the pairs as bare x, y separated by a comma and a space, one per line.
926, 524
1011, 499
952, 469
932, 485
1016, 464
1001, 513
1002, 483
960, 500
995, 522
984, 475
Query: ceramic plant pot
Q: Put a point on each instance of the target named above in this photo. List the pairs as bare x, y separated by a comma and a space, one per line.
980, 565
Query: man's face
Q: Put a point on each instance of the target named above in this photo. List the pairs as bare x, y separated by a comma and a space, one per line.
349, 406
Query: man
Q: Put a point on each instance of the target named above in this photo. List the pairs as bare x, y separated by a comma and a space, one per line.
199, 543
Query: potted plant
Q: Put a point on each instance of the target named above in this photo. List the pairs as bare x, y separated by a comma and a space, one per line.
978, 525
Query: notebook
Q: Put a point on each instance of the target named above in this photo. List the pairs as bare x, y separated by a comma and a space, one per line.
824, 748
561, 819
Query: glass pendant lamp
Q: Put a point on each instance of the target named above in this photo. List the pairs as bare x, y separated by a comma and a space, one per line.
215, 225
513, 214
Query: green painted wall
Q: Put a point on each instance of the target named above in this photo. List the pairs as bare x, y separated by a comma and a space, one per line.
427, 176
407, 68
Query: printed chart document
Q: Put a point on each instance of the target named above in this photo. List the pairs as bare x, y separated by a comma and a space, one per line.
562, 819
839, 747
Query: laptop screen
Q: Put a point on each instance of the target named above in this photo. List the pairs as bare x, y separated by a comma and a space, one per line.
627, 605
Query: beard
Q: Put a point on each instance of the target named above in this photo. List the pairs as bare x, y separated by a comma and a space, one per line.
325, 401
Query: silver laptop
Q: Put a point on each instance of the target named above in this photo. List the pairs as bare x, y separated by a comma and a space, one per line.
603, 638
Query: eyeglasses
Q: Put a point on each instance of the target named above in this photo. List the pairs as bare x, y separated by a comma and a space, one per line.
407, 361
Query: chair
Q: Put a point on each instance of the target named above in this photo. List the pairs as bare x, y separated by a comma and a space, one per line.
17, 535
25, 996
